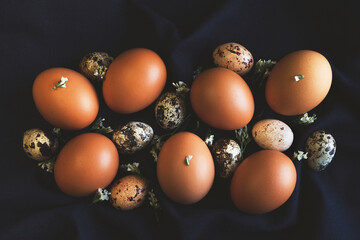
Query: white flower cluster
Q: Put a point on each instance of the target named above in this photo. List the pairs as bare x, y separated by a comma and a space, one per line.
305, 119
299, 155
133, 167
102, 194
209, 141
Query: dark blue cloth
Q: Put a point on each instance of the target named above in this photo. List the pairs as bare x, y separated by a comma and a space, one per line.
39, 34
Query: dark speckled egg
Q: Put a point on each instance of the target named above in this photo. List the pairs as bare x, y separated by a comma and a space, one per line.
170, 110
94, 65
132, 137
227, 155
40, 145
128, 192
321, 148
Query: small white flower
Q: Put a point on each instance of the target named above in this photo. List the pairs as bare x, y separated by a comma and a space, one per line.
47, 165
299, 155
299, 77
209, 140
61, 83
181, 87
134, 167
188, 159
305, 119
103, 194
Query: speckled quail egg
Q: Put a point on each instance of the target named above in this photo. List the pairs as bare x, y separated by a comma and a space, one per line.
170, 110
273, 134
227, 155
321, 148
234, 57
40, 145
132, 137
128, 192
94, 65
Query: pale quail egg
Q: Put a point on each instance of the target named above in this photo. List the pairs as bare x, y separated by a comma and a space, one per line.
128, 192
94, 65
321, 148
273, 134
132, 137
40, 145
170, 110
227, 155
234, 57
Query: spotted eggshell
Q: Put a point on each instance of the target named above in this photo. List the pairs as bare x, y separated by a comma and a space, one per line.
132, 137
227, 155
234, 57
321, 148
128, 192
273, 134
39, 145
170, 110
94, 65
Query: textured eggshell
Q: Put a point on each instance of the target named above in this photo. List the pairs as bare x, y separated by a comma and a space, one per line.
95, 65
128, 192
233, 56
289, 97
227, 155
273, 134
263, 182
39, 145
184, 183
222, 99
170, 110
132, 137
321, 148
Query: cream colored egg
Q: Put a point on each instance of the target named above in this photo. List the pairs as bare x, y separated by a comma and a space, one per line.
233, 56
273, 134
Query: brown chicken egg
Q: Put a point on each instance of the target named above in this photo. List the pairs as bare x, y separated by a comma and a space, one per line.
263, 182
65, 98
134, 80
222, 99
185, 168
298, 83
87, 162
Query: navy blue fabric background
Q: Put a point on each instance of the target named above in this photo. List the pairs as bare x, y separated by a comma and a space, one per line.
39, 34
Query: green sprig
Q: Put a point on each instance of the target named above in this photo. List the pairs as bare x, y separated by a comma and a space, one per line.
188, 159
98, 127
243, 138
131, 167
261, 72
